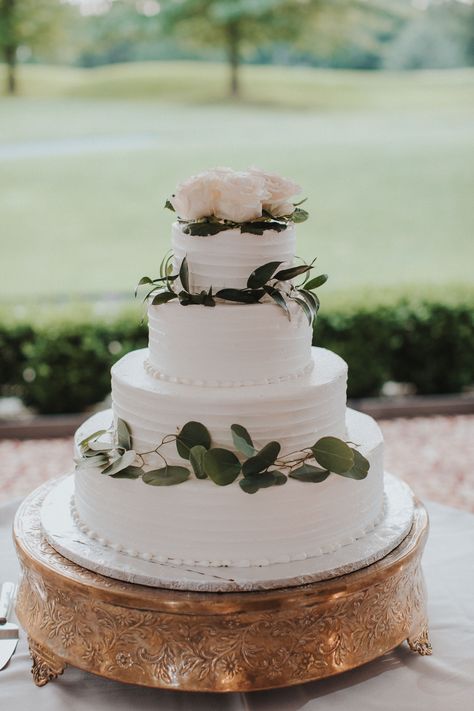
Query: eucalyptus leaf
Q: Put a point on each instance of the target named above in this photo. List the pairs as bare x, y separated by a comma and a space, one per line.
261, 275
333, 454
251, 484
205, 229
163, 296
360, 467
292, 272
308, 311
84, 442
166, 476
299, 215
278, 298
311, 299
243, 296
196, 459
143, 280
120, 463
123, 434
262, 460
169, 206
98, 461
192, 434
100, 446
316, 282
258, 227
184, 274
222, 466
242, 440
128, 473
309, 473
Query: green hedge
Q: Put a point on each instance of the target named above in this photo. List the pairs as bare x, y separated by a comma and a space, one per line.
60, 363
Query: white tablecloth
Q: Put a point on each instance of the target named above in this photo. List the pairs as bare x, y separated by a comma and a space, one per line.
401, 680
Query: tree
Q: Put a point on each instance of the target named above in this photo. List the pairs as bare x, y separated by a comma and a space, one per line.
30, 23
236, 24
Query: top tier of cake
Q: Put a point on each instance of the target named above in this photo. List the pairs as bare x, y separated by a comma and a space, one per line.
227, 259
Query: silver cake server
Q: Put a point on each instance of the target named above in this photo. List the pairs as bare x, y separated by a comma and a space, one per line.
9, 632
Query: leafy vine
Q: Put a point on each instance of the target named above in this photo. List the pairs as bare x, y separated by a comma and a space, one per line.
265, 281
110, 451
207, 226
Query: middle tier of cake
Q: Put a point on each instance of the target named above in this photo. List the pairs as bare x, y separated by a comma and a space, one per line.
295, 412
231, 344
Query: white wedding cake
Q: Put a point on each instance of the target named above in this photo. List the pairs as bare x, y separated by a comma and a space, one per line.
230, 443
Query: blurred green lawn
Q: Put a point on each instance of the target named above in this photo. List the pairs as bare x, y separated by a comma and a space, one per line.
87, 158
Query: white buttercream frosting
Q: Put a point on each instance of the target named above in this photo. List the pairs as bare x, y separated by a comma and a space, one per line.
293, 412
230, 344
227, 259
199, 523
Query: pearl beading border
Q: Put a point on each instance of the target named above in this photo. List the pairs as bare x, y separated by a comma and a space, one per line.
243, 563
158, 375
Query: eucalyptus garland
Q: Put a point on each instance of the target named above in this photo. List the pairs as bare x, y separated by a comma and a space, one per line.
267, 280
207, 226
110, 452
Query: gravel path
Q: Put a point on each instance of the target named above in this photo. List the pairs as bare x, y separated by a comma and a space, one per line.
433, 454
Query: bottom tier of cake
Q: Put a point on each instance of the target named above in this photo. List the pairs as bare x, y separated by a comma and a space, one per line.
199, 523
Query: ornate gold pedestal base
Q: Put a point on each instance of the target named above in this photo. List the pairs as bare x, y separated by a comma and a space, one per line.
214, 641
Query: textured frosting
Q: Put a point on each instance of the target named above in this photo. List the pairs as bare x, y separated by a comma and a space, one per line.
294, 412
228, 258
230, 344
200, 523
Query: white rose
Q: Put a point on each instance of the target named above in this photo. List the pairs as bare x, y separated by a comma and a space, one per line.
280, 191
240, 196
194, 198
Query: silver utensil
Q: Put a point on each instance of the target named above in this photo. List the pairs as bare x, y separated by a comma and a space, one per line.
9, 632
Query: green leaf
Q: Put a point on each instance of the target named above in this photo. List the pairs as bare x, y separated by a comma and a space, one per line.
169, 206
278, 298
165, 262
292, 272
95, 462
196, 459
311, 299
243, 296
262, 274
143, 280
209, 298
360, 468
205, 229
258, 227
309, 473
251, 484
163, 296
299, 215
123, 434
262, 460
184, 274
304, 306
192, 434
97, 445
222, 466
333, 454
128, 473
316, 282
242, 440
83, 443
120, 463
297, 204
166, 476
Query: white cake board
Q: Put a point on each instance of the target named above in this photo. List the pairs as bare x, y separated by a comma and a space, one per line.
63, 534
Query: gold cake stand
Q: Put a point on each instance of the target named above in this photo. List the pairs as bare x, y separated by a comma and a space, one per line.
192, 641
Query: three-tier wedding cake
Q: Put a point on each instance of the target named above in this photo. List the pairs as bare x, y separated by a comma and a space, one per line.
230, 443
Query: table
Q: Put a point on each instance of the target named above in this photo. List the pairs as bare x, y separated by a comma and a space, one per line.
399, 680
